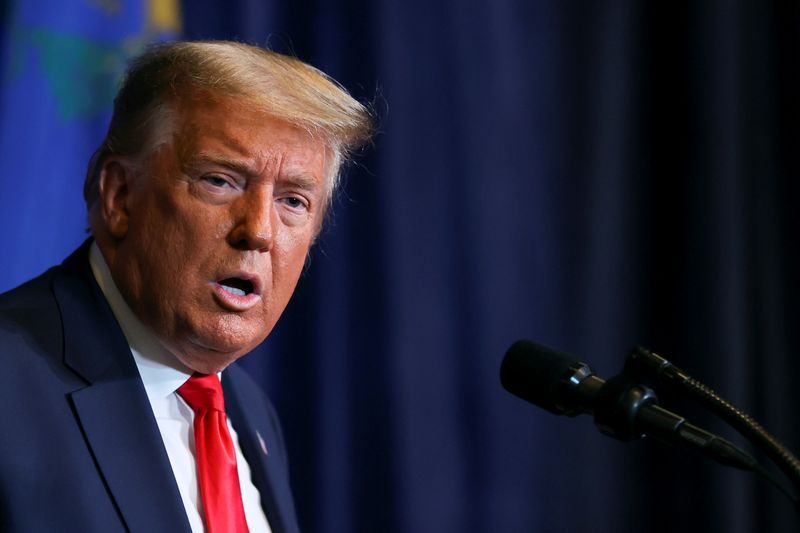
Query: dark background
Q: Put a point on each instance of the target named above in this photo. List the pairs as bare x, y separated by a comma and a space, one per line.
592, 175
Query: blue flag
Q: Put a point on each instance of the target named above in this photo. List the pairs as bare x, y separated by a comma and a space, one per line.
61, 64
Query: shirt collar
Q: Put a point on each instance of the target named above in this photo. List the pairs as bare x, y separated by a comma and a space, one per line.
161, 372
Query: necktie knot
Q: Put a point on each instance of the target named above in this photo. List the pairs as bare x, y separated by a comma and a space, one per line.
203, 392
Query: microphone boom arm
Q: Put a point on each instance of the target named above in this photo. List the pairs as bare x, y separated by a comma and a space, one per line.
643, 361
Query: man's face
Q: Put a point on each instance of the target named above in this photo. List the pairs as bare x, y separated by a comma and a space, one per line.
216, 227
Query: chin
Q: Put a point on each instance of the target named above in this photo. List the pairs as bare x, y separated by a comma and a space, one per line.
217, 352
210, 346
208, 361
208, 366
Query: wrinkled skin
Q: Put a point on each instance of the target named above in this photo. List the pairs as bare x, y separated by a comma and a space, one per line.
206, 233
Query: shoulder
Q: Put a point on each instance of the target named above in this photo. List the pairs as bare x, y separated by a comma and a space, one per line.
246, 402
32, 293
29, 317
22, 306
32, 329
247, 392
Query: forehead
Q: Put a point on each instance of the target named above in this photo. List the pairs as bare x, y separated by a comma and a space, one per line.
235, 129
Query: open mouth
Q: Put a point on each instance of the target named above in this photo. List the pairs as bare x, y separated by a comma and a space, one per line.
237, 286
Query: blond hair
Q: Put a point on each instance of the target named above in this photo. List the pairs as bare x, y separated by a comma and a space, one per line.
282, 86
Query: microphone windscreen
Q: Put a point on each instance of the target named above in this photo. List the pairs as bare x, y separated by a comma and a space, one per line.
536, 373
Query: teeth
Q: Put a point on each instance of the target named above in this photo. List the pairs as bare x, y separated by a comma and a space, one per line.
233, 290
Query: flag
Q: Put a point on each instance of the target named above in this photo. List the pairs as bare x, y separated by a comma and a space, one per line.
61, 62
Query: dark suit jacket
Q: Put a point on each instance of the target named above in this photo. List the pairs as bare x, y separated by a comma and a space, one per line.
79, 446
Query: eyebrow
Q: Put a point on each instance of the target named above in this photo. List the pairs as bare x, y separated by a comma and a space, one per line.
300, 180
237, 165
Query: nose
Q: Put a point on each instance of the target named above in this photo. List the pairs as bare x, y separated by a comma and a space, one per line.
254, 220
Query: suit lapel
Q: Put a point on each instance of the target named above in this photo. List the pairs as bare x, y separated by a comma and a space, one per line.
262, 446
130, 455
112, 408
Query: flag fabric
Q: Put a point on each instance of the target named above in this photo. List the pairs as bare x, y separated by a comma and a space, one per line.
61, 62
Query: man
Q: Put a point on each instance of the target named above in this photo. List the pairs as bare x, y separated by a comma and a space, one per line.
203, 201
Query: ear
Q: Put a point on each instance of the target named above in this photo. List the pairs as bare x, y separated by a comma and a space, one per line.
114, 188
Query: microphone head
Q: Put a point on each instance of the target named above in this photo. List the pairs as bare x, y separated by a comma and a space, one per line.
540, 375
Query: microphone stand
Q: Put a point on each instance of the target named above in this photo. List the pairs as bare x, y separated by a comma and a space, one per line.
627, 411
644, 362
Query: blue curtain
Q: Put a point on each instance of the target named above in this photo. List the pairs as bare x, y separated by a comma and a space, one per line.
593, 175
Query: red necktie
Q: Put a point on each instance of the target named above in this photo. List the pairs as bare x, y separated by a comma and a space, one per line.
216, 455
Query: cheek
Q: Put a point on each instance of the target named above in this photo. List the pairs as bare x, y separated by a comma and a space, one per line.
293, 257
180, 233
288, 258
169, 256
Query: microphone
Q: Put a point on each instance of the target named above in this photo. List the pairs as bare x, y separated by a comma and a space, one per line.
622, 409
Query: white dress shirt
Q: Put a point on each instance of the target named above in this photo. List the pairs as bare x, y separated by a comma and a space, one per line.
162, 374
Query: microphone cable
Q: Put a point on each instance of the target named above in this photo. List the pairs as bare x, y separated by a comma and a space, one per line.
644, 362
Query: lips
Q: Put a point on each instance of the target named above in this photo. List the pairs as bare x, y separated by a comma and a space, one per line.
238, 292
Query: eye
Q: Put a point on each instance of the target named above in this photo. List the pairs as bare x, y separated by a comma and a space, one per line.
217, 181
295, 202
